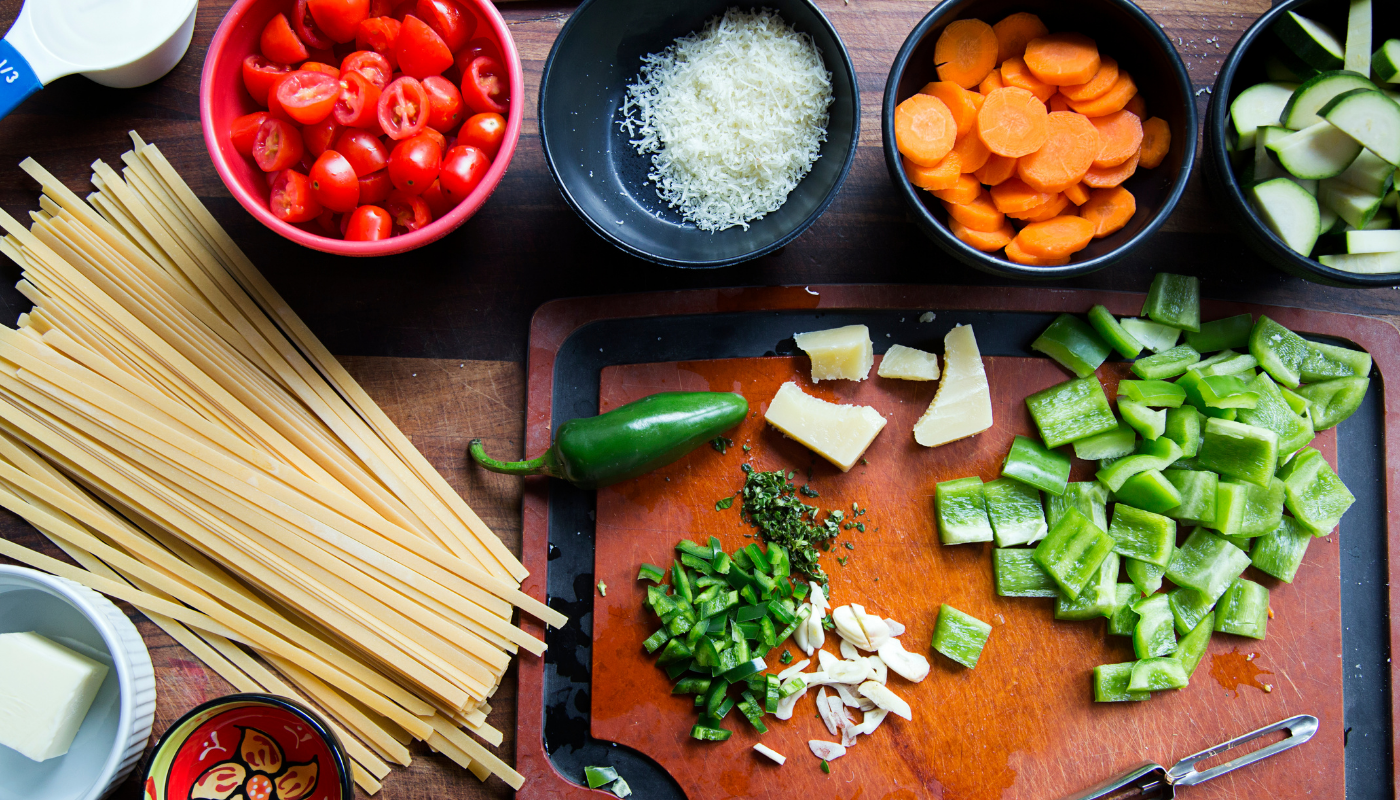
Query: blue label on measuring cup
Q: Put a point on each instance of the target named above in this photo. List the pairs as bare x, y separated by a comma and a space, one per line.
17, 78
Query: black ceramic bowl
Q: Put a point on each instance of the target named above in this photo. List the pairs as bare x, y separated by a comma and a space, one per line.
595, 57
1242, 69
1138, 44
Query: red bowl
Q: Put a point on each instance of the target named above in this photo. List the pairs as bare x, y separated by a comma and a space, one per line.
222, 98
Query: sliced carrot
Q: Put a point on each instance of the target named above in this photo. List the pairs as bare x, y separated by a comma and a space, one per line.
972, 152
1052, 208
1013, 196
965, 52
1063, 59
1109, 210
924, 129
964, 190
1057, 102
992, 81
1067, 154
936, 178
1110, 101
1121, 133
1102, 81
1156, 142
1138, 106
996, 170
1015, 73
1015, 31
1016, 255
979, 215
986, 241
962, 103
1012, 122
1056, 237
1111, 176
1078, 194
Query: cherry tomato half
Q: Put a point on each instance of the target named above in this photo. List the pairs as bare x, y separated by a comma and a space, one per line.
384, 8
243, 132
320, 66
474, 48
370, 64
363, 149
307, 28
408, 212
375, 187
308, 97
403, 108
444, 103
333, 182
338, 19
414, 164
259, 74
358, 103
485, 86
278, 145
279, 42
321, 137
436, 200
452, 22
379, 35
484, 132
462, 170
292, 200
420, 51
368, 224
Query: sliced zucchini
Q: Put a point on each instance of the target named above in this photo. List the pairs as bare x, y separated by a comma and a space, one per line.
1327, 219
1266, 166
1316, 152
1370, 173
1364, 263
1316, 92
1369, 117
1392, 200
1373, 241
1261, 104
1351, 204
1310, 41
1290, 212
1385, 64
1357, 55
1382, 221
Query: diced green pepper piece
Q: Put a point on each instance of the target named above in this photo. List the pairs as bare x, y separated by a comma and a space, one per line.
1174, 300
599, 776
802, 615
707, 652
770, 693
1111, 684
1015, 512
1157, 454
1090, 497
1192, 647
780, 561
1227, 362
1098, 598
691, 686
1073, 344
1109, 444
1071, 410
698, 550
1332, 401
1222, 334
1149, 491
1197, 489
1243, 610
1166, 364
960, 636
1142, 535
962, 511
1156, 674
752, 712
1029, 462
1146, 578
767, 636
1273, 413
1188, 607
1242, 542
721, 563
1018, 575
1280, 552
700, 565
680, 582
677, 668
1231, 497
1124, 618
1297, 402
1239, 450
751, 613
1156, 394
1325, 361
708, 734
1314, 495
1153, 635
1154, 335
675, 650
724, 708
656, 640
758, 558
1227, 391
745, 669
652, 573
1184, 428
1072, 551
790, 687
1114, 334
1150, 423
1263, 507
1206, 563
1281, 352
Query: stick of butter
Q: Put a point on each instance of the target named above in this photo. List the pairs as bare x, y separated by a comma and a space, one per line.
838, 433
839, 353
962, 406
45, 693
906, 363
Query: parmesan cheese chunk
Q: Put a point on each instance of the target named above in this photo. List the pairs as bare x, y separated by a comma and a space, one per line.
962, 406
839, 353
908, 364
45, 693
838, 433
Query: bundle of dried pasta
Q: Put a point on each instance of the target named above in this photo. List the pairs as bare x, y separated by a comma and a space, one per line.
169, 423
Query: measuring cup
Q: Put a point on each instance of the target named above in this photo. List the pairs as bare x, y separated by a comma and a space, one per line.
118, 43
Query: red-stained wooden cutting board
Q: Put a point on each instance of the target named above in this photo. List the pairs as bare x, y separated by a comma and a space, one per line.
1022, 724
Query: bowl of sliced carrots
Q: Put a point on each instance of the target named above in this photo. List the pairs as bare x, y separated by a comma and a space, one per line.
1039, 138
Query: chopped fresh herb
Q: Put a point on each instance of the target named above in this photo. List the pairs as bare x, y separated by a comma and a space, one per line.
850, 545
826, 767
746, 467
864, 463
842, 560
808, 491
721, 444
602, 588
771, 504
827, 623
848, 526
786, 657
747, 448
721, 505
860, 526
855, 507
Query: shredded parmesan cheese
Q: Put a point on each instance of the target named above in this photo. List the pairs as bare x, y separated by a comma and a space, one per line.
733, 116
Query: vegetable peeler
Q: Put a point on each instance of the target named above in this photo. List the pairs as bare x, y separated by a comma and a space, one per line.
1155, 781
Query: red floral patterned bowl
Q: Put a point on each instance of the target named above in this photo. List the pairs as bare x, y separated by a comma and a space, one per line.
249, 747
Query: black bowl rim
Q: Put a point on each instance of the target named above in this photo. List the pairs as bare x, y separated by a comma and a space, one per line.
847, 67
1002, 267
342, 759
1215, 140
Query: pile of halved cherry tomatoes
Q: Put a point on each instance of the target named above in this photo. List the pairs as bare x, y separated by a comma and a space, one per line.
385, 142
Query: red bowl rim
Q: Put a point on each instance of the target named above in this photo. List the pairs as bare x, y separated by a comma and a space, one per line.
257, 206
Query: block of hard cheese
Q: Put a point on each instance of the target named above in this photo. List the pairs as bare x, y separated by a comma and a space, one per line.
906, 363
962, 405
838, 433
839, 353
45, 692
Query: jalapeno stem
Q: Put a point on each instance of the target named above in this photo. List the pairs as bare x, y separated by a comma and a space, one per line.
543, 465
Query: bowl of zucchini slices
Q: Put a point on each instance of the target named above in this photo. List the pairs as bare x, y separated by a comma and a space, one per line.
1303, 139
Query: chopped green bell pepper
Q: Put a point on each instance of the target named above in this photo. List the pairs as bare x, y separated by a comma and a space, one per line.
1072, 551
1263, 508
1231, 497
1156, 394
1154, 335
1242, 542
1197, 489
1227, 391
675, 650
1206, 563
1149, 491
1239, 450
1098, 598
691, 686
1033, 464
1334, 400
1192, 647
599, 776
651, 573
1273, 413
1227, 362
1156, 674
1124, 618
1157, 454
700, 551
705, 733
1142, 535
1071, 410
1280, 552
1243, 610
1188, 608
1149, 423
1015, 512
752, 712
1146, 578
1314, 495
960, 636
1297, 402
962, 511
1090, 497
1174, 300
1281, 352
1166, 364
656, 640
1114, 334
1326, 361
1153, 635
1017, 575
1109, 444
1184, 428
1111, 684
1073, 344
1222, 334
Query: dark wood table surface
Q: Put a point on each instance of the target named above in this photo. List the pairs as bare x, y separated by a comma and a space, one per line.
469, 297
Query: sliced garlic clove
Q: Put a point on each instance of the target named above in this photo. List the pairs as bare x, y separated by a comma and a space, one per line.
886, 699
910, 666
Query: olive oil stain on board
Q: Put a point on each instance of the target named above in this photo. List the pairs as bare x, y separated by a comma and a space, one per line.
1235, 669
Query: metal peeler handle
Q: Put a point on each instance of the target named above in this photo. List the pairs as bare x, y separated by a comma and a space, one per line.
1300, 729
